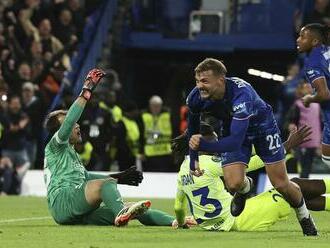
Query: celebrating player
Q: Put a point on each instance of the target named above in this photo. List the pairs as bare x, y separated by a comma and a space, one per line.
313, 39
209, 201
74, 196
252, 123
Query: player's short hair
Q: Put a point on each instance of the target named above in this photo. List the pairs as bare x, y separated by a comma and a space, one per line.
216, 66
52, 122
321, 31
207, 131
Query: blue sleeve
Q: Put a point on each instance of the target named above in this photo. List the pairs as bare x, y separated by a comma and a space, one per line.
194, 103
242, 106
193, 128
313, 68
230, 143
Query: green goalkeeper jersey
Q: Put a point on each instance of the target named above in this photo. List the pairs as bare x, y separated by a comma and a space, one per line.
207, 197
62, 167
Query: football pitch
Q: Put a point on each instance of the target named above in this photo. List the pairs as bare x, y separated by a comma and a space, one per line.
25, 223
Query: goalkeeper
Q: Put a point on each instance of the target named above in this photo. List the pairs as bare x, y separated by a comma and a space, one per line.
209, 201
76, 196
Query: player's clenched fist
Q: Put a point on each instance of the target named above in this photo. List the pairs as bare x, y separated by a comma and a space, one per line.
92, 79
194, 141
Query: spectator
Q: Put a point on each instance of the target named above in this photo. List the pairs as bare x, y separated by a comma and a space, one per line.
24, 73
109, 103
299, 116
33, 107
95, 125
157, 129
289, 86
50, 44
64, 28
14, 139
127, 135
320, 14
78, 16
7, 177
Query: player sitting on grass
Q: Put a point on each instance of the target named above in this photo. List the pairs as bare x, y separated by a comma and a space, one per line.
76, 196
209, 201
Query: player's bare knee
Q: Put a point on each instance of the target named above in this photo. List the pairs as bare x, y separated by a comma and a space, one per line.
93, 191
281, 186
234, 185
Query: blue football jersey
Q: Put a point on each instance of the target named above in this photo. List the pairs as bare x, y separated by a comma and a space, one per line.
316, 65
240, 102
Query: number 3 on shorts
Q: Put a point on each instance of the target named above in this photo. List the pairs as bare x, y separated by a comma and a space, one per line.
274, 141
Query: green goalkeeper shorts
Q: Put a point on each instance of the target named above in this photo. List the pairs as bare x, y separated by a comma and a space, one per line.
70, 205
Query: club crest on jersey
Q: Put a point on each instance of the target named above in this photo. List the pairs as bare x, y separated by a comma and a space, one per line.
216, 159
310, 72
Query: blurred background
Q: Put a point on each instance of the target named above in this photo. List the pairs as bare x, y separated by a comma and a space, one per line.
149, 49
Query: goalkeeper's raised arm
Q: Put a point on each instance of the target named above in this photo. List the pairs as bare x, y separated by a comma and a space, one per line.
76, 109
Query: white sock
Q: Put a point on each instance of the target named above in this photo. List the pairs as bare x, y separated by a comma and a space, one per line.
245, 189
302, 211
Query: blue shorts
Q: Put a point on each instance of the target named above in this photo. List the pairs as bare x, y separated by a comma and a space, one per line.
326, 127
267, 143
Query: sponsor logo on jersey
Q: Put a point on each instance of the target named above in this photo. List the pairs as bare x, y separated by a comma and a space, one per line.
238, 107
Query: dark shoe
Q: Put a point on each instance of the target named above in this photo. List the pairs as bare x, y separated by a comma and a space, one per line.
238, 202
308, 226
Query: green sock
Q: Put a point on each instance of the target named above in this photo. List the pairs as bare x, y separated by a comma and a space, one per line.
156, 218
327, 185
327, 203
111, 196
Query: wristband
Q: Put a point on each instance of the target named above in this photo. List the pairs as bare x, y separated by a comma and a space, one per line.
86, 93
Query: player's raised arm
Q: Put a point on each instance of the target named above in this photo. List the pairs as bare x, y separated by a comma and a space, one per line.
92, 79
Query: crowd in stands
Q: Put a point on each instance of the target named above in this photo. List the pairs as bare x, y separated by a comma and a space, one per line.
37, 39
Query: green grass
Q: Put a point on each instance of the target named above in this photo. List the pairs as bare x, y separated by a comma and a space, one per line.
44, 233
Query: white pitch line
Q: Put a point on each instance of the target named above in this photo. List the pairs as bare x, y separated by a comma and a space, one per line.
25, 219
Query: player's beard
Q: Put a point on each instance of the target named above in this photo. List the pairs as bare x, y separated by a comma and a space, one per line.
204, 94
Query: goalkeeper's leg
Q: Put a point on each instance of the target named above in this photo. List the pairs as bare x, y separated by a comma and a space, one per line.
72, 203
155, 217
102, 216
104, 190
